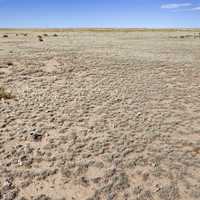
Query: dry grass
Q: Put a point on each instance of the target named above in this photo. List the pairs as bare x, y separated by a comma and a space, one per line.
4, 94
100, 115
60, 30
40, 38
9, 63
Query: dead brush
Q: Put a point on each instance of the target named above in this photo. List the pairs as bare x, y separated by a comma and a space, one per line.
4, 94
10, 63
40, 38
5, 36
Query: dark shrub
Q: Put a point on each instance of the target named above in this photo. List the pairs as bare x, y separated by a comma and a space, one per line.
40, 38
9, 63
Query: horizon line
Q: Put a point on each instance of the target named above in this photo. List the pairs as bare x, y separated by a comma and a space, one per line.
99, 28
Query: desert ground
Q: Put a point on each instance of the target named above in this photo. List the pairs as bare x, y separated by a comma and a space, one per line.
99, 115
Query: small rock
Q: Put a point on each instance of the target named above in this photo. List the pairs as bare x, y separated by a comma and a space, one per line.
84, 181
36, 136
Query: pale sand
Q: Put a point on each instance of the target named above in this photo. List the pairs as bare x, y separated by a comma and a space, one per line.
100, 115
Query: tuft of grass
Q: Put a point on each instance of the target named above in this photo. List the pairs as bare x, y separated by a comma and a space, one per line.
4, 94
10, 64
5, 36
40, 38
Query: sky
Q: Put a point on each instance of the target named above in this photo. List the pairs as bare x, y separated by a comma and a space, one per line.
99, 13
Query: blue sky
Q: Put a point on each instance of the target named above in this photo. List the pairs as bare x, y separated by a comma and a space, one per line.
99, 13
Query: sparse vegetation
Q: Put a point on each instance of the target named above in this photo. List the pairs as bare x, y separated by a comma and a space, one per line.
195, 35
9, 63
100, 114
5, 36
4, 94
40, 38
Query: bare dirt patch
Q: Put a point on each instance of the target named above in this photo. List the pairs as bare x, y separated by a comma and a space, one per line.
100, 114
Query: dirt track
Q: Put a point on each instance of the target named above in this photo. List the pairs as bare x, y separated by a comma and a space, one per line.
100, 115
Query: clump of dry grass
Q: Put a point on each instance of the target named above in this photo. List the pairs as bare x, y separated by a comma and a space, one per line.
10, 64
55, 35
5, 36
196, 35
4, 94
40, 38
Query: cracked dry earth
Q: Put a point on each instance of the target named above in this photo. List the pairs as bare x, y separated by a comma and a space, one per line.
100, 115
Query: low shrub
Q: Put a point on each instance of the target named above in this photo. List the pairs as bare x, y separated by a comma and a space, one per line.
4, 94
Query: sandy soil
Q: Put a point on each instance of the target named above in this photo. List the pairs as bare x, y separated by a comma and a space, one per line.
100, 115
